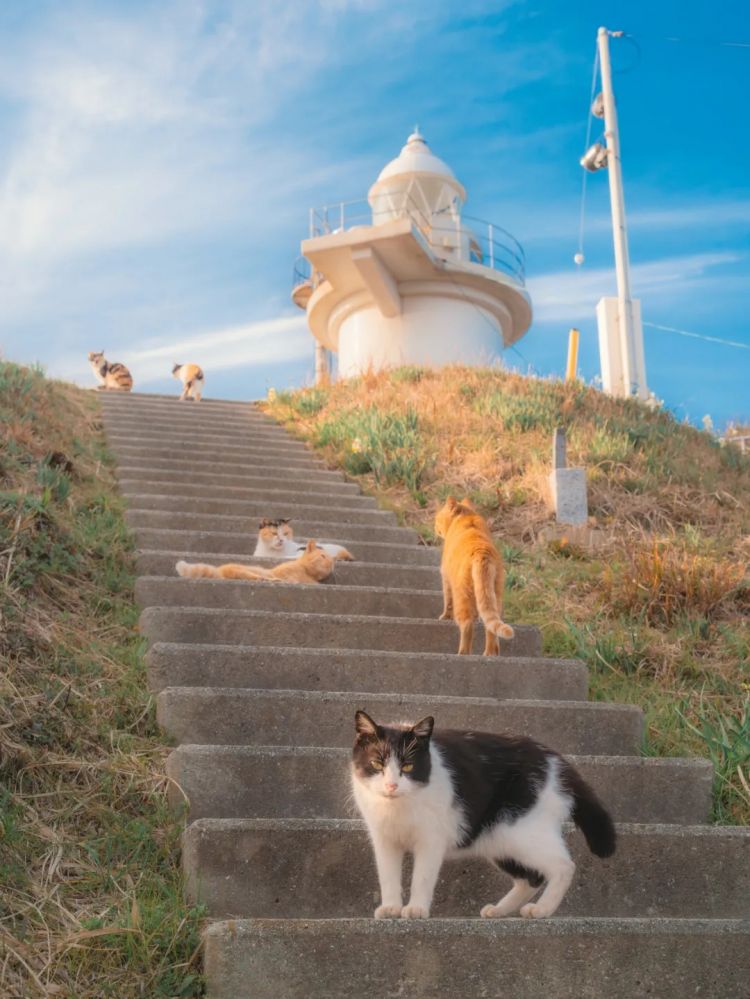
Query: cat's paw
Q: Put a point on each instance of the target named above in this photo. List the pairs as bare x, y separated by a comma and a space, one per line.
491, 912
505, 631
415, 912
387, 912
446, 616
534, 911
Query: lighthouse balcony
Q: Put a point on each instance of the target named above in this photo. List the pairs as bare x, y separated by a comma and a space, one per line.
452, 237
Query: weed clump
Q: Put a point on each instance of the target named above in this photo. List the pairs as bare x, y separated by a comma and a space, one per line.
90, 887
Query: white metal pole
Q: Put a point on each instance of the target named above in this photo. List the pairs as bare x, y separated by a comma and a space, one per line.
627, 331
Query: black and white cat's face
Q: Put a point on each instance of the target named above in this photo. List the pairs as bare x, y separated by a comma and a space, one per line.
391, 761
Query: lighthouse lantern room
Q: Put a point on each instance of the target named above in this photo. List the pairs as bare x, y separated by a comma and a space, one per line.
406, 277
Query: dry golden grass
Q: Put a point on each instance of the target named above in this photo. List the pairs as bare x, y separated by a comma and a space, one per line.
658, 609
90, 888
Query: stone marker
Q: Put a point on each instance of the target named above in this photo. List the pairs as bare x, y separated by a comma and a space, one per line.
567, 485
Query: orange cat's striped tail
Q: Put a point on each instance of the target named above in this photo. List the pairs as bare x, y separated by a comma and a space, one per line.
484, 575
197, 570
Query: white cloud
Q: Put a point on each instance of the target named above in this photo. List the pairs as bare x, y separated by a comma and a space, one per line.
268, 341
565, 296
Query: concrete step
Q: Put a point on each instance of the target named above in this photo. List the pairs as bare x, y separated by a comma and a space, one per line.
300, 473
255, 508
218, 424
323, 868
335, 598
228, 716
217, 430
145, 401
403, 577
559, 958
279, 480
244, 446
171, 664
241, 494
205, 625
154, 454
216, 541
276, 782
306, 525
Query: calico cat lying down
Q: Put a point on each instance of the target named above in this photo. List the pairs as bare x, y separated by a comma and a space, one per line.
449, 794
312, 566
276, 539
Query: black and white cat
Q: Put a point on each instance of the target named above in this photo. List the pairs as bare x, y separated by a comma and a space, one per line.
448, 793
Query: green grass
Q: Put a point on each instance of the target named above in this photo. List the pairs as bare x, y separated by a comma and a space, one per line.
659, 610
91, 895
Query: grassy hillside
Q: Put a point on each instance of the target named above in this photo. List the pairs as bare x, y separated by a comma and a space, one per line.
658, 609
90, 890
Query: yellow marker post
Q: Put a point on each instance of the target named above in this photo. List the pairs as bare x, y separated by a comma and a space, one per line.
572, 366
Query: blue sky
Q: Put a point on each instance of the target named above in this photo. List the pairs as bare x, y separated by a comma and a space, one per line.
158, 159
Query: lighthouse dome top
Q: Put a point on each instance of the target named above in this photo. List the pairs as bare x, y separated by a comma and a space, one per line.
416, 159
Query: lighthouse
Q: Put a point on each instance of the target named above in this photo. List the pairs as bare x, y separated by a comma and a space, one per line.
406, 277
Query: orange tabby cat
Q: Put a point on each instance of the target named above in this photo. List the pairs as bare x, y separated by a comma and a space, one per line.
312, 566
473, 575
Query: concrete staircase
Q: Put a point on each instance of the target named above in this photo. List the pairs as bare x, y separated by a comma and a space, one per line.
258, 684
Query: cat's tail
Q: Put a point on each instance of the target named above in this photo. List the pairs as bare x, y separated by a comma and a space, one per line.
590, 815
343, 554
484, 571
196, 570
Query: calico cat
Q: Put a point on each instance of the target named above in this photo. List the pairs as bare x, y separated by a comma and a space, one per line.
110, 376
276, 538
191, 376
473, 575
312, 566
449, 794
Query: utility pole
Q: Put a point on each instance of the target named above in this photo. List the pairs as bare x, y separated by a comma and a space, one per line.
630, 331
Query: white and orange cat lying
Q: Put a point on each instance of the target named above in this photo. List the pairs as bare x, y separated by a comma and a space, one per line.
473, 575
276, 539
312, 566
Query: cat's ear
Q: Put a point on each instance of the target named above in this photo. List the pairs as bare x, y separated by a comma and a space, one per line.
365, 726
423, 729
311, 546
467, 502
265, 523
285, 520
451, 503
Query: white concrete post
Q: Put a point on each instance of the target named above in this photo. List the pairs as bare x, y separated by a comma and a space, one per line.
628, 331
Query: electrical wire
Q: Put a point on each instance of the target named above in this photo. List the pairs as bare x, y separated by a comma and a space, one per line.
589, 117
699, 336
704, 42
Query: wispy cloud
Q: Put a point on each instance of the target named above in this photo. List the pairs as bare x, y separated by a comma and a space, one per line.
565, 296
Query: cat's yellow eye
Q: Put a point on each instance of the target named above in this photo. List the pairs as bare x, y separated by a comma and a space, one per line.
376, 764
407, 767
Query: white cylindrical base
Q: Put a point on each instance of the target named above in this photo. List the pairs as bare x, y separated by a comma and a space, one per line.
429, 332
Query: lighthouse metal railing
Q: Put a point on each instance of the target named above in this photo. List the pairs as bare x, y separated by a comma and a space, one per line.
452, 236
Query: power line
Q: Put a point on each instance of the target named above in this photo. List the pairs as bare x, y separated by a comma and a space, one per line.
704, 42
589, 117
699, 336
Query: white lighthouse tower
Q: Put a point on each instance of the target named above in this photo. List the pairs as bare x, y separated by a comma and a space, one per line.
406, 277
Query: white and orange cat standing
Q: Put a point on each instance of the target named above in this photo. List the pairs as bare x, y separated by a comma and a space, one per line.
192, 378
114, 377
276, 540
